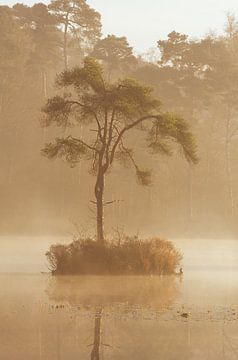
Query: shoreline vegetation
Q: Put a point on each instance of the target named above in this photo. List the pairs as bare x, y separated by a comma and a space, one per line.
130, 256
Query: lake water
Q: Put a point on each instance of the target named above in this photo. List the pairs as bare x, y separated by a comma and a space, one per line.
68, 318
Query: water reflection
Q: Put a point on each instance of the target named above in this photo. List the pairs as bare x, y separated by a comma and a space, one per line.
95, 354
115, 318
156, 292
112, 296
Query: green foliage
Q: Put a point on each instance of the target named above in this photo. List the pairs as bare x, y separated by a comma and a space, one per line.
132, 256
196, 79
89, 77
69, 149
114, 109
132, 99
56, 110
175, 127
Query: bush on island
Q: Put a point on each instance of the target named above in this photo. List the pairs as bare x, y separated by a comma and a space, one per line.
131, 256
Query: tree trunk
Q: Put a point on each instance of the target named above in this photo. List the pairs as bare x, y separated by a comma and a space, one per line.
65, 44
95, 354
190, 176
99, 192
190, 170
1, 103
229, 170
44, 84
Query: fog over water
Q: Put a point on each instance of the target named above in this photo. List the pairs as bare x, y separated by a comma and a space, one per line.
27, 254
52, 318
118, 132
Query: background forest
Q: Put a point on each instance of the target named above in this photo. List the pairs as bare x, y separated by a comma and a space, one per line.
197, 78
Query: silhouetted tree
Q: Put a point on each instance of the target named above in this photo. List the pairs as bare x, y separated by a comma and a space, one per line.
41, 27
78, 19
115, 110
183, 64
222, 77
231, 26
14, 44
115, 53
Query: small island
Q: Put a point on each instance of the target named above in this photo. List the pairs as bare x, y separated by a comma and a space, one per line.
132, 257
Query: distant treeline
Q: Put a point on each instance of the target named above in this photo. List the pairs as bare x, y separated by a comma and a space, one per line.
195, 78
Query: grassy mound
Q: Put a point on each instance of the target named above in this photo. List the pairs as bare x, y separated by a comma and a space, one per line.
132, 256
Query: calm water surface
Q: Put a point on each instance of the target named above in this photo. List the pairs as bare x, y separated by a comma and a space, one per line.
189, 317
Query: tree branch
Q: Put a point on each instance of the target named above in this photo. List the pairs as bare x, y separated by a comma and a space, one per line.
99, 126
128, 153
74, 102
127, 128
83, 143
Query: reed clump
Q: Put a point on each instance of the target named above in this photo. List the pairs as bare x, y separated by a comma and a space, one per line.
132, 256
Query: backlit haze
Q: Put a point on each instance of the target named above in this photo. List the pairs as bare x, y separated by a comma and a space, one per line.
144, 22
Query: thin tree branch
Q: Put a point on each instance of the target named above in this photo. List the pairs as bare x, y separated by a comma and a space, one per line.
99, 125
111, 202
83, 143
128, 153
75, 102
127, 128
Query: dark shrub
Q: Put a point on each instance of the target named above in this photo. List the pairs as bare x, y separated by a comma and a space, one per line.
132, 256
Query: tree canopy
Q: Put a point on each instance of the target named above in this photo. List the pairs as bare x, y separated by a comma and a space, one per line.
80, 23
115, 53
114, 110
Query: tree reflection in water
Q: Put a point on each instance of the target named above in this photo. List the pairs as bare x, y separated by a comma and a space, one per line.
95, 354
114, 295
